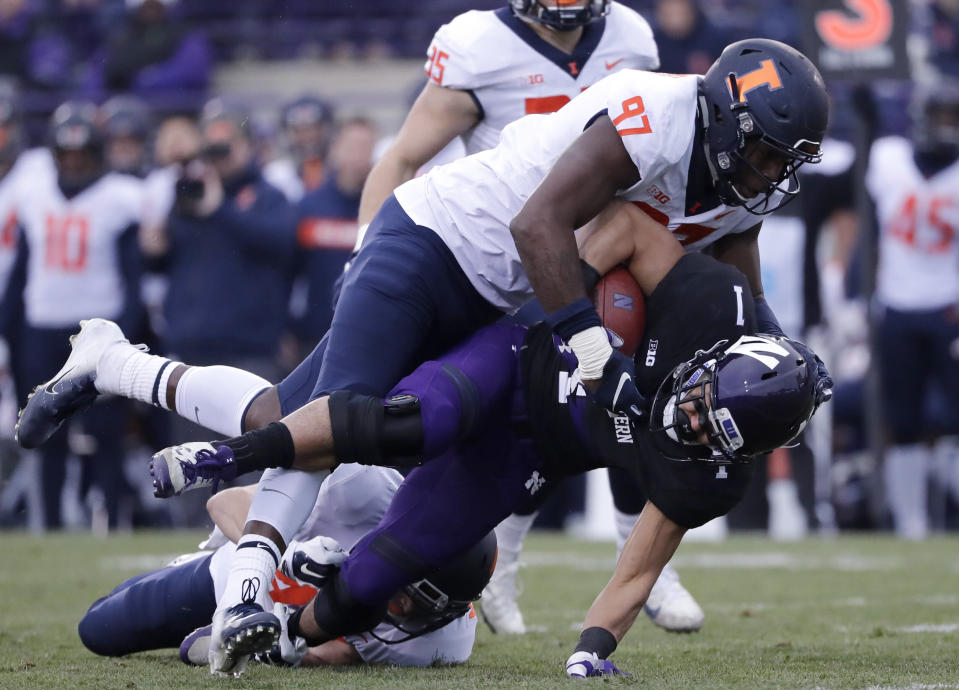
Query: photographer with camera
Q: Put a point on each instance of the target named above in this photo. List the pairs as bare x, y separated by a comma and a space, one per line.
230, 240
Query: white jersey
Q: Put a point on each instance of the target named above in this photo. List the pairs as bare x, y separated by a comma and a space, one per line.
28, 163
511, 72
918, 221
470, 203
351, 502
282, 174
73, 271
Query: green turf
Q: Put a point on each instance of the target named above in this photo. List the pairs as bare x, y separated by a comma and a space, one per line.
856, 612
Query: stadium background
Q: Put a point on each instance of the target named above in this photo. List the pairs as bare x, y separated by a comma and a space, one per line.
364, 59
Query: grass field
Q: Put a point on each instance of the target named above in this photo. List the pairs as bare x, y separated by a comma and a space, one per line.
855, 612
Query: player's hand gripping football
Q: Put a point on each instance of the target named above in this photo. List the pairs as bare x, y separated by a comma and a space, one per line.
588, 665
823, 379
616, 390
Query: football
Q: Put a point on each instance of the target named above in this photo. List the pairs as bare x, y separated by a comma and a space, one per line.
622, 308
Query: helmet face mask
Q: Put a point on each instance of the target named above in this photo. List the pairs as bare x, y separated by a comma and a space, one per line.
761, 93
561, 15
749, 397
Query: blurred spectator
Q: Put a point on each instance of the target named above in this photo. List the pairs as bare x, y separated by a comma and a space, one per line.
229, 247
153, 56
38, 49
688, 42
944, 36
327, 225
126, 125
306, 123
81, 261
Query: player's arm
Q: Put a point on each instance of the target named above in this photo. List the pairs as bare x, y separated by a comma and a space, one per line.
624, 234
438, 115
581, 183
333, 653
651, 544
228, 510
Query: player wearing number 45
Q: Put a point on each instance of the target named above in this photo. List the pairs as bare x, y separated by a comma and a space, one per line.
915, 185
454, 249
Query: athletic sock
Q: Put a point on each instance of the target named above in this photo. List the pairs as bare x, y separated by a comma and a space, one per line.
125, 370
271, 446
284, 499
217, 396
511, 532
251, 571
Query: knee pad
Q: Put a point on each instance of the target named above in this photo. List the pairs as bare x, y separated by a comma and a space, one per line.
338, 613
373, 431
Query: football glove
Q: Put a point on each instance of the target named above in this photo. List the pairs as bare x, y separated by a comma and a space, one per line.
823, 379
588, 665
290, 650
313, 562
617, 390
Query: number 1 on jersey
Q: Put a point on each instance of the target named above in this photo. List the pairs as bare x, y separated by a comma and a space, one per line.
740, 317
633, 107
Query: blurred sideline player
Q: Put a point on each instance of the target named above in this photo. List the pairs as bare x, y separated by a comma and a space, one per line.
915, 186
307, 124
484, 70
81, 260
506, 412
159, 609
326, 229
125, 121
718, 147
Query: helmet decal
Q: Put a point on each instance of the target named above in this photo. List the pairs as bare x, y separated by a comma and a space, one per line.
764, 75
754, 347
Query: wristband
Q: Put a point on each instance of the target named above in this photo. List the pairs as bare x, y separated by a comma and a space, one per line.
574, 317
597, 640
593, 351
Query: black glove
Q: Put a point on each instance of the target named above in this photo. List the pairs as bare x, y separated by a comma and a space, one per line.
617, 390
823, 379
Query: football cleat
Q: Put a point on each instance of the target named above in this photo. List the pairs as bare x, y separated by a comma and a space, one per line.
72, 389
195, 648
290, 649
671, 606
498, 604
188, 466
239, 632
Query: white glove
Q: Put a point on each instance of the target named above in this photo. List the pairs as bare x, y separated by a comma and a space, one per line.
313, 562
588, 665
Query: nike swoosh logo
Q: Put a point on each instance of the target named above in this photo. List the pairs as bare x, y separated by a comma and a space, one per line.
611, 65
306, 570
724, 213
623, 380
50, 386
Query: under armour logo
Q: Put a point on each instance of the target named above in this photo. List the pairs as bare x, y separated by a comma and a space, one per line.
249, 590
535, 482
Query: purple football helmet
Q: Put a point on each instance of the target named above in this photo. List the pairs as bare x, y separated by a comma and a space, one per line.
750, 397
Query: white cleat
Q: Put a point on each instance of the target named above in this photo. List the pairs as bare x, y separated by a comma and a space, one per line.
671, 606
72, 389
239, 632
188, 466
498, 604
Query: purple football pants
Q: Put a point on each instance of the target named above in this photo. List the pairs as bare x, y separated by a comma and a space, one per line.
480, 463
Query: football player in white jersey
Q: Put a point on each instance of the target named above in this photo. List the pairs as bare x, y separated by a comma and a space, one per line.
159, 609
484, 70
915, 186
703, 155
81, 260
